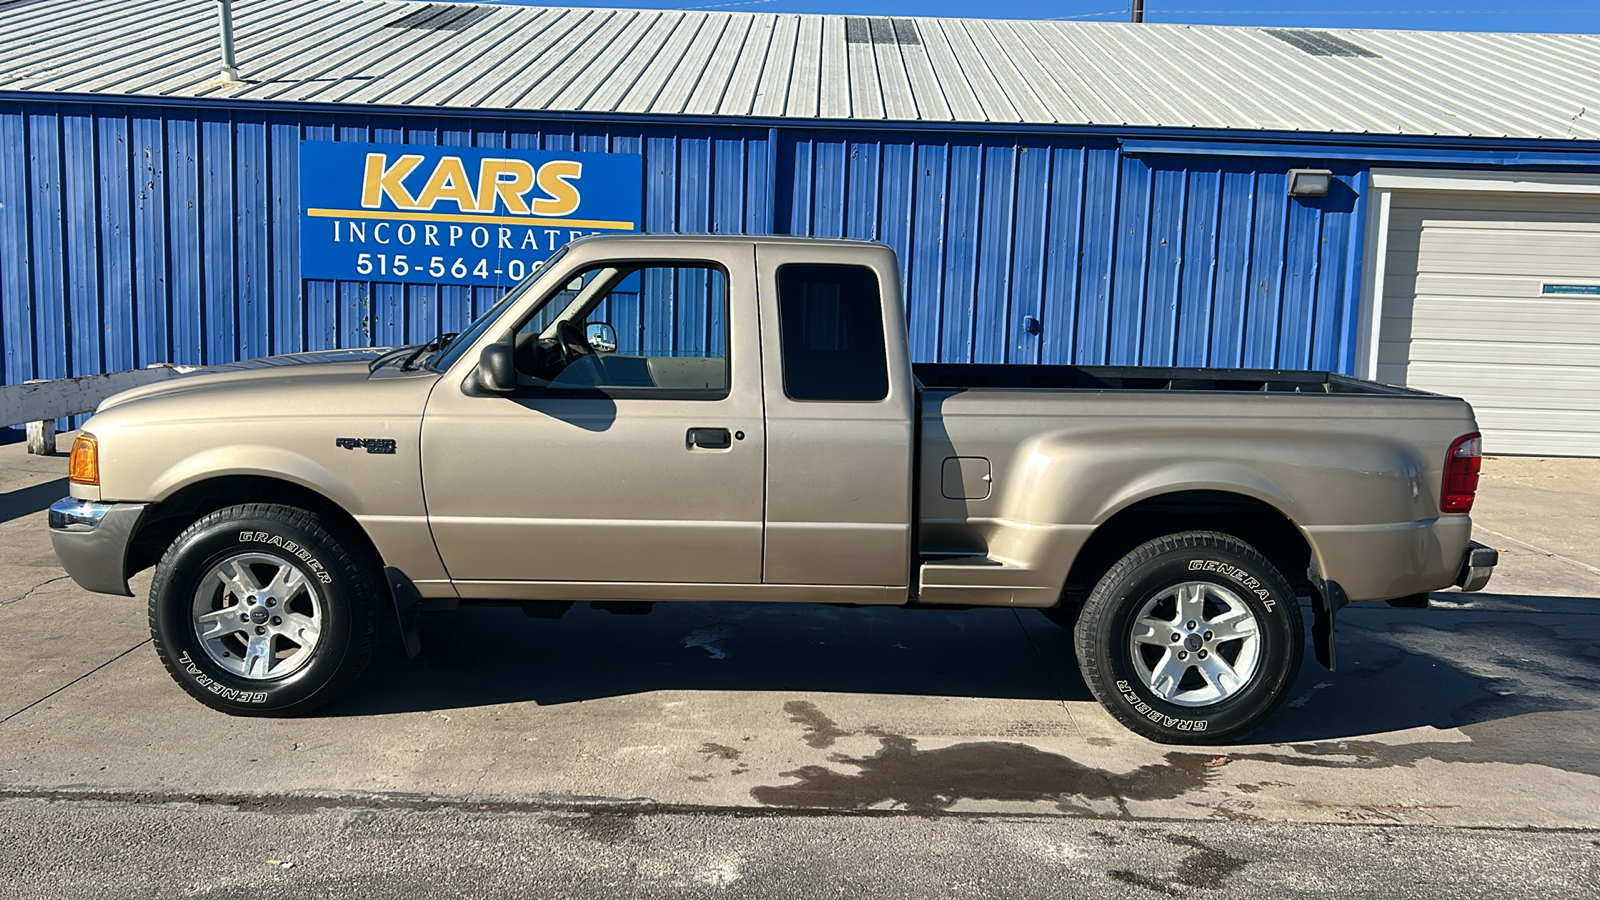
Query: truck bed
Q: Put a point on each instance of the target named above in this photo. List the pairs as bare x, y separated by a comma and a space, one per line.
993, 376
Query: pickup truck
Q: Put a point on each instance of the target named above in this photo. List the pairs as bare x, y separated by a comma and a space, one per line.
692, 418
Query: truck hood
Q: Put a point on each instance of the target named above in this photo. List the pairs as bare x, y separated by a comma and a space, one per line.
288, 369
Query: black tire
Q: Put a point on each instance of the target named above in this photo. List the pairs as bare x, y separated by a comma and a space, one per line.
1104, 638
337, 590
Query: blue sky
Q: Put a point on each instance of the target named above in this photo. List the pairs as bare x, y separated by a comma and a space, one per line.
1433, 15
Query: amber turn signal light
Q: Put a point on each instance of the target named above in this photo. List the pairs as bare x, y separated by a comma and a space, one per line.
84, 467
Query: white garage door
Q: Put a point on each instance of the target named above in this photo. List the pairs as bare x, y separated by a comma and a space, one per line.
1495, 297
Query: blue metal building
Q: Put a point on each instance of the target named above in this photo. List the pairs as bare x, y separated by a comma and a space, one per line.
1058, 193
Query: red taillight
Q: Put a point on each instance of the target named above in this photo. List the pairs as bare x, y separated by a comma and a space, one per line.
1461, 467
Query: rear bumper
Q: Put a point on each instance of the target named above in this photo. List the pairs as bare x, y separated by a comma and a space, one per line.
91, 540
1477, 567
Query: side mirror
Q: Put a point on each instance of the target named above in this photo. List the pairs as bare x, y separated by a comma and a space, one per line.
497, 368
602, 337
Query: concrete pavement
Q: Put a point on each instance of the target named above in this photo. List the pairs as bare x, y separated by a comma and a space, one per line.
1480, 712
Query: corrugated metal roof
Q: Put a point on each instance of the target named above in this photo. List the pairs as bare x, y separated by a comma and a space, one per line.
1004, 72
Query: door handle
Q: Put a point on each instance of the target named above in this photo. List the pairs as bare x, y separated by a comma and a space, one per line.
710, 438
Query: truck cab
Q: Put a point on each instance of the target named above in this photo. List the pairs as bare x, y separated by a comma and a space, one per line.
726, 447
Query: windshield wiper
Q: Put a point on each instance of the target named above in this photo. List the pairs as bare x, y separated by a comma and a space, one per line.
437, 344
391, 354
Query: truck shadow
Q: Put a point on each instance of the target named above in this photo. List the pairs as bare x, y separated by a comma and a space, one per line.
1515, 661
1480, 668
475, 657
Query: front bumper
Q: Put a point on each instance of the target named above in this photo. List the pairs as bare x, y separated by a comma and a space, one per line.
1477, 567
91, 540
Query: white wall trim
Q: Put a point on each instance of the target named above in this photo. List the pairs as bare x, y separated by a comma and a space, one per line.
1382, 185
1377, 256
1478, 180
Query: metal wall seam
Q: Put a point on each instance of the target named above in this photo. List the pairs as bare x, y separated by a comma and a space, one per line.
1092, 305
829, 185
119, 337
957, 311
182, 230
79, 162
1130, 261
1063, 254
17, 362
1031, 187
47, 228
1264, 305
152, 263
1233, 269
1349, 334
926, 247
1297, 297
690, 325
897, 221
996, 227
218, 236
285, 294
1164, 296
252, 287
1198, 282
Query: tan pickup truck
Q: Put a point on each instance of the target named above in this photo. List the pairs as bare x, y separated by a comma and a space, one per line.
714, 418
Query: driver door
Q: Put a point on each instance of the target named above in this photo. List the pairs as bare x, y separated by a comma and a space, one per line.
640, 464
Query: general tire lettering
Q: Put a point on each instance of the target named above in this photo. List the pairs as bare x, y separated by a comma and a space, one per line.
1245, 579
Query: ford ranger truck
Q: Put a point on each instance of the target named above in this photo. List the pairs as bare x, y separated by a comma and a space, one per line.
652, 419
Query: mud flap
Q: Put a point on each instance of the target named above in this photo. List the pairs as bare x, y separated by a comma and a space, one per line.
407, 608
1326, 601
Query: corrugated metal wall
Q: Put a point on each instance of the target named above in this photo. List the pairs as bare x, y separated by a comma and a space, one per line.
1192, 261
134, 234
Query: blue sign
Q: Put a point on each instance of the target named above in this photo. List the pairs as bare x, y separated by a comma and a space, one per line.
1591, 289
455, 215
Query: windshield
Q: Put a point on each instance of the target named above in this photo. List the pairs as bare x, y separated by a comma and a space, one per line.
481, 324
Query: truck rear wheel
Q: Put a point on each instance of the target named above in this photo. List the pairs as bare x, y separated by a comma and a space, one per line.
1192, 638
258, 610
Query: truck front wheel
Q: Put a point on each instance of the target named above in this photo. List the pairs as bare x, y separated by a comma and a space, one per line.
258, 610
1192, 638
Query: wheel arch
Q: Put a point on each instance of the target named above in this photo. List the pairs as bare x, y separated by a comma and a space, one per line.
1249, 518
165, 519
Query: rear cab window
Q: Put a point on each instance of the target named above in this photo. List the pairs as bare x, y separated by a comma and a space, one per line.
831, 333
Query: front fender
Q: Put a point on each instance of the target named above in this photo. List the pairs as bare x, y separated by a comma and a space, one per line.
254, 459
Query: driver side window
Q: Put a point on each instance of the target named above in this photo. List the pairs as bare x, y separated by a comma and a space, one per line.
634, 330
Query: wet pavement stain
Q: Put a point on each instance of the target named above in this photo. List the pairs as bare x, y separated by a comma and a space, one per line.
606, 828
902, 776
1230, 810
719, 751
1207, 868
905, 777
821, 731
